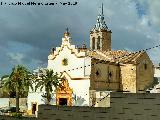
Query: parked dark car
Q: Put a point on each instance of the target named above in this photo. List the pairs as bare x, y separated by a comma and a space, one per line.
8, 109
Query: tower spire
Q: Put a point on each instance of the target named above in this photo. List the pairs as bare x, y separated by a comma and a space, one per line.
102, 8
100, 24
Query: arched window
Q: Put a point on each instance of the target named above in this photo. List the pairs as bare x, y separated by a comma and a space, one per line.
98, 43
110, 75
145, 66
93, 43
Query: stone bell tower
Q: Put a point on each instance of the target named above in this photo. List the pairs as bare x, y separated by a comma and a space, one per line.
100, 35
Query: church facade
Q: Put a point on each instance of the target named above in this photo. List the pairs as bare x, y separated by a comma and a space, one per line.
90, 74
69, 62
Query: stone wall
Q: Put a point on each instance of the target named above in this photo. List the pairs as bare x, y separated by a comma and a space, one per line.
6, 102
107, 77
128, 78
124, 106
105, 40
135, 106
49, 112
145, 73
22, 103
96, 96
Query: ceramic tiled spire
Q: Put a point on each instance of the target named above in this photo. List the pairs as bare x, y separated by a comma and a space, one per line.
100, 25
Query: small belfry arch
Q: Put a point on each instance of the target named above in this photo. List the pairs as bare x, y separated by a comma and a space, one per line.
93, 43
98, 43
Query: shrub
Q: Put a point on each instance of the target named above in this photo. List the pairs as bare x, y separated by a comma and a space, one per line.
17, 115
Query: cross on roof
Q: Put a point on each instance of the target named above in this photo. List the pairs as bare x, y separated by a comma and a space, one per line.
67, 30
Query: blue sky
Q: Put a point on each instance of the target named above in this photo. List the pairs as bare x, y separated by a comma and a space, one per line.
27, 33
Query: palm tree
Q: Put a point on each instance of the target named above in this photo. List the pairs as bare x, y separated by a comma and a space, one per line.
48, 80
2, 92
19, 81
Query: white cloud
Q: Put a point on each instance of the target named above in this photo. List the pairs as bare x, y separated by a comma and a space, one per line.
154, 12
16, 57
155, 55
133, 32
35, 25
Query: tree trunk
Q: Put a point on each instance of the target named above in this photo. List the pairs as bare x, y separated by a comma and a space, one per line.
48, 99
17, 101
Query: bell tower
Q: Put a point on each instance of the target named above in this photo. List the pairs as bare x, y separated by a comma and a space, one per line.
100, 35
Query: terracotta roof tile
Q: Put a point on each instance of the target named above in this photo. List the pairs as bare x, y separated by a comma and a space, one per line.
121, 56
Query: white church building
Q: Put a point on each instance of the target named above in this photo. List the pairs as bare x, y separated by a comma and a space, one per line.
74, 66
84, 83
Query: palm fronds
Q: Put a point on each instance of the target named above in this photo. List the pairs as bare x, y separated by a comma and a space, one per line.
47, 81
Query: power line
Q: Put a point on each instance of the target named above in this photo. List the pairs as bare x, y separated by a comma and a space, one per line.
100, 100
143, 50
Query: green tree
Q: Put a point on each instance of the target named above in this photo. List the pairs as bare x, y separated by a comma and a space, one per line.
48, 79
19, 81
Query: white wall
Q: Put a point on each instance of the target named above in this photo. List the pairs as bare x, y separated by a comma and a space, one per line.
157, 72
76, 59
73, 62
81, 90
156, 88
